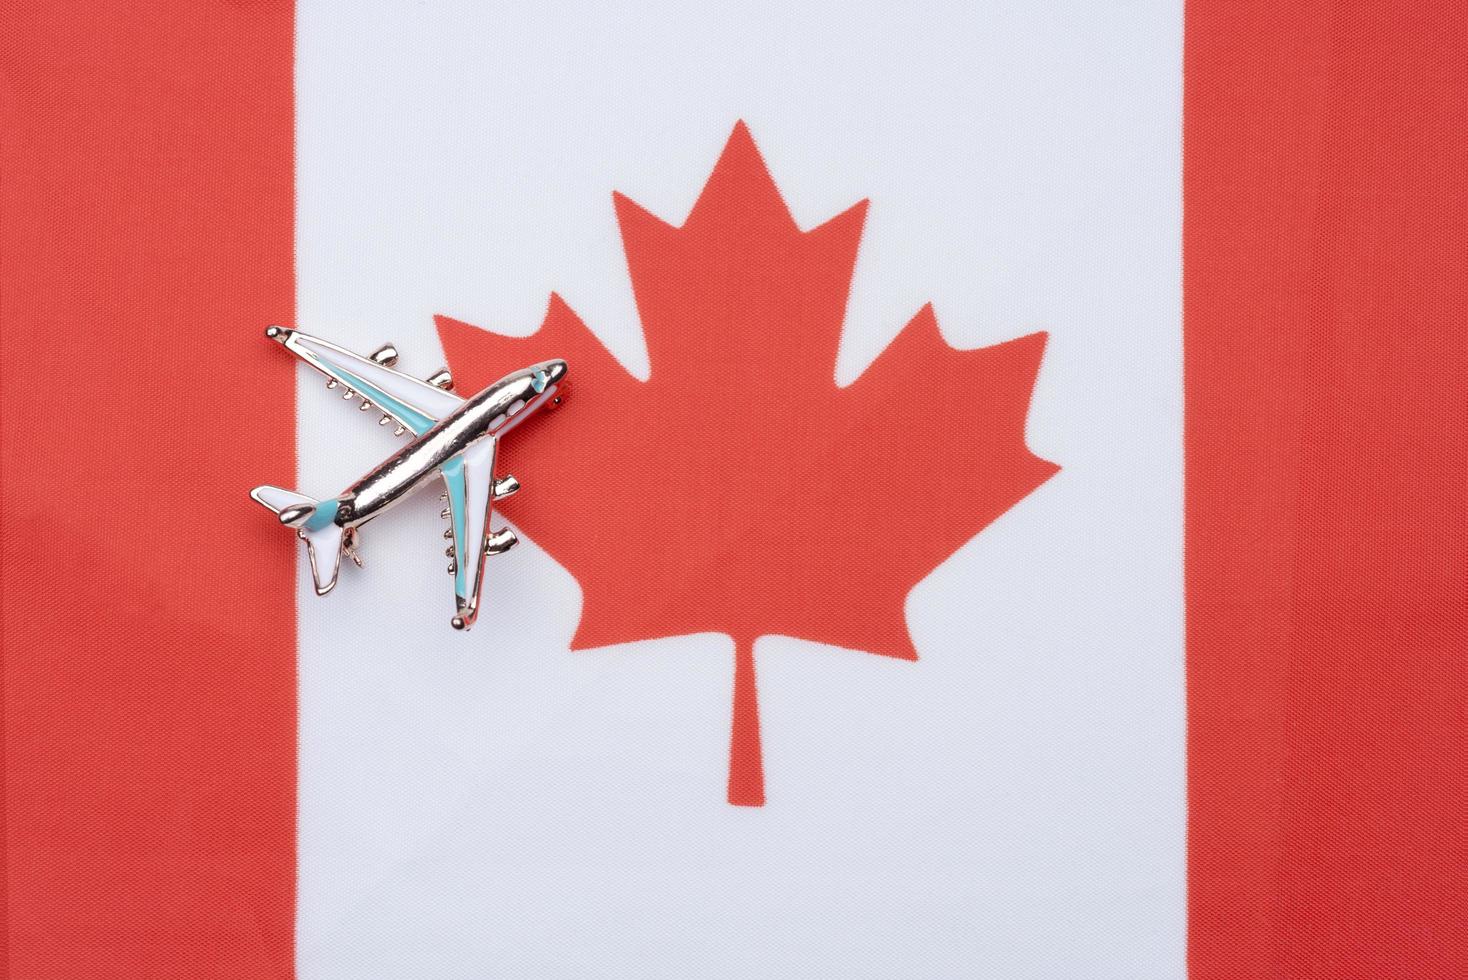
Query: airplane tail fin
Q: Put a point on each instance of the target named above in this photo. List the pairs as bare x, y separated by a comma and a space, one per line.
326, 541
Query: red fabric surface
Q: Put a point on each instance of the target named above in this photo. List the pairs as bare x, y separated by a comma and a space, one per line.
1327, 456
149, 633
150, 730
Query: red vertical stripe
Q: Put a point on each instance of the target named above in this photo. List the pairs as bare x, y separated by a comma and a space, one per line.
149, 627
1326, 318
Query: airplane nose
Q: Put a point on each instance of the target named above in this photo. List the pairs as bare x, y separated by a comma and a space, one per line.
556, 370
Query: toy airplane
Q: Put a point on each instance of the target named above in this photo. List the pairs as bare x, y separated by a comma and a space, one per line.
455, 438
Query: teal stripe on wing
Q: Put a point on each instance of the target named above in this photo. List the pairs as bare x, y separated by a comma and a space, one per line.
453, 478
407, 415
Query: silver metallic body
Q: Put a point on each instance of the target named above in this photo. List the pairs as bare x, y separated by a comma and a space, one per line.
492, 412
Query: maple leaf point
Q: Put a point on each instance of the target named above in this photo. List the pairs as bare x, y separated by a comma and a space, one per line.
739, 490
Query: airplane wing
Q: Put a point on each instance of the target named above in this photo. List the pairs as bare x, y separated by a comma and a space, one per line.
469, 479
413, 404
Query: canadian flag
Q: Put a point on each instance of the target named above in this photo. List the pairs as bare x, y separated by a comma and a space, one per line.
1008, 519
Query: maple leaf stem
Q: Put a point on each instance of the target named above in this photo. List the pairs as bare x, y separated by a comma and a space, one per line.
746, 759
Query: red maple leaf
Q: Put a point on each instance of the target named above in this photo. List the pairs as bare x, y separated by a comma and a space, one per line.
739, 490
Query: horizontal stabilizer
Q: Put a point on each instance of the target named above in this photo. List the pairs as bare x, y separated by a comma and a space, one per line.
324, 550
279, 498
323, 536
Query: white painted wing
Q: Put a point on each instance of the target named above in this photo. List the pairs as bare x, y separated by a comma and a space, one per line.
469, 478
414, 404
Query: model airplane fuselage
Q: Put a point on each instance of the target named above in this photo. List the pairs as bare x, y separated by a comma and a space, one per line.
454, 438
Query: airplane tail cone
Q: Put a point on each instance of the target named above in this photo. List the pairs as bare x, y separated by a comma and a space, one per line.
297, 515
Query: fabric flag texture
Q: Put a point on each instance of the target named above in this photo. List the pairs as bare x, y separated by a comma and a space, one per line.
1008, 518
